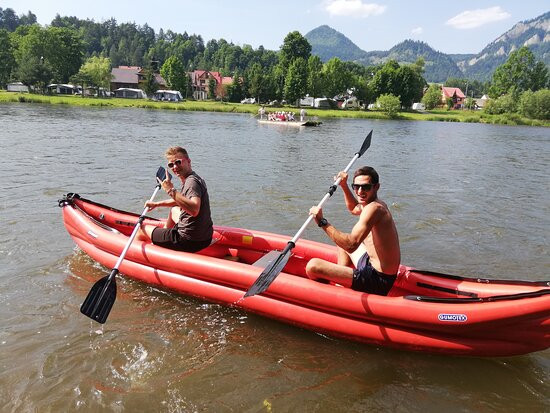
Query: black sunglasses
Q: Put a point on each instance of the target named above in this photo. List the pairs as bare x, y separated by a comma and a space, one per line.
176, 162
364, 187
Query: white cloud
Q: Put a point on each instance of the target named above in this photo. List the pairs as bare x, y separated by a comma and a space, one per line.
353, 8
471, 19
416, 31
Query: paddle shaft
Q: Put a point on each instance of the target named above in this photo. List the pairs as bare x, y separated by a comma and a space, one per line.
114, 272
331, 190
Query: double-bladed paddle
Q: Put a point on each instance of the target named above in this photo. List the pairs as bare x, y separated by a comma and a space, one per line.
267, 276
102, 296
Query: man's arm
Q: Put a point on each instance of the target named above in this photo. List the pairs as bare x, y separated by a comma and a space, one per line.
349, 198
191, 205
166, 203
350, 242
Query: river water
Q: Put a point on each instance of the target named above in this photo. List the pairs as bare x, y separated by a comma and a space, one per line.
468, 199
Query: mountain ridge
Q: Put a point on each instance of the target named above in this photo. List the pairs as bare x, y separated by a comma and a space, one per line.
327, 42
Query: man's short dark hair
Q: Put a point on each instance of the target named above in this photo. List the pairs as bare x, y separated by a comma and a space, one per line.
368, 171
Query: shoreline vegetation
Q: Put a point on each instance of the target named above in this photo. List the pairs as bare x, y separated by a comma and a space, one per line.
440, 115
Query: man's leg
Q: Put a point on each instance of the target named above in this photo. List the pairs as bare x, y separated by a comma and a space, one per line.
145, 232
344, 258
318, 268
173, 217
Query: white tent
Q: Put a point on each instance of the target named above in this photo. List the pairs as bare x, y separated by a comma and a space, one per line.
168, 95
128, 93
17, 87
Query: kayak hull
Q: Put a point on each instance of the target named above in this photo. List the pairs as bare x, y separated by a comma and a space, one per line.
424, 311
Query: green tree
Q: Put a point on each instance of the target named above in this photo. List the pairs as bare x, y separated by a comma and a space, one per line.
385, 79
96, 71
296, 80
65, 52
235, 90
7, 58
470, 104
150, 86
389, 104
315, 77
294, 46
48, 55
337, 78
34, 67
361, 89
409, 84
519, 73
211, 88
432, 97
8, 19
256, 82
535, 105
173, 72
504, 104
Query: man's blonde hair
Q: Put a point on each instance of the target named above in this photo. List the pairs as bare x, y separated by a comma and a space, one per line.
174, 150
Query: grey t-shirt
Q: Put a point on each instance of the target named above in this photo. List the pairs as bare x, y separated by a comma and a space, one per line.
197, 228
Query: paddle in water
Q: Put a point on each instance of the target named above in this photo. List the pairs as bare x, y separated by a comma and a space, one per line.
102, 296
267, 276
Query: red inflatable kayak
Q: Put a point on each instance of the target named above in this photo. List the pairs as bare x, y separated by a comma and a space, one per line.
424, 311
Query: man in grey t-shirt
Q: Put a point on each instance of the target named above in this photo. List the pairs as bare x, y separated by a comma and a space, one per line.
189, 224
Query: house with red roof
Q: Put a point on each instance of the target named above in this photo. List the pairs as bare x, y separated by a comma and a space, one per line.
455, 94
200, 80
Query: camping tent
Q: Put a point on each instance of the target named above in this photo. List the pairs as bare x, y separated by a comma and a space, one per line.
128, 93
168, 95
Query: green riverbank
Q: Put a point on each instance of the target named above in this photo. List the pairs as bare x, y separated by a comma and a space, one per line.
209, 106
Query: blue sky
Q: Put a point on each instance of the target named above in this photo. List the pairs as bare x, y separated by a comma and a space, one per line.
448, 26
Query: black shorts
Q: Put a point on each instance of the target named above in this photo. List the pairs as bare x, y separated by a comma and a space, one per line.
368, 280
171, 239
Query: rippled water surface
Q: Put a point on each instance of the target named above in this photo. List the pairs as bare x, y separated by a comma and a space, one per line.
468, 199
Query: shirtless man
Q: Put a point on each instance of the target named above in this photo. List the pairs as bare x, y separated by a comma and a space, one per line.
372, 246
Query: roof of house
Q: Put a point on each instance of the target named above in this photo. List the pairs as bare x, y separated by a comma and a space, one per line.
130, 75
125, 74
452, 91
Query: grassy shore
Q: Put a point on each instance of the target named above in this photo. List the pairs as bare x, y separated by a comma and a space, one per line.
209, 106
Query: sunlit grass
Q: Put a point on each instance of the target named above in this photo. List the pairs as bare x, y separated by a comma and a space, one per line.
440, 115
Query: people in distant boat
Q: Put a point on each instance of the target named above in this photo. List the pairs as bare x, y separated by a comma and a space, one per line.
189, 225
281, 116
372, 246
261, 112
302, 115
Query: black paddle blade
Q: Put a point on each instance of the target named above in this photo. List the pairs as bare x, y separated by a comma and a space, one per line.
366, 144
267, 276
161, 173
100, 300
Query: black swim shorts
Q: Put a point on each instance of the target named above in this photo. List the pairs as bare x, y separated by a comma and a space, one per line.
368, 280
171, 239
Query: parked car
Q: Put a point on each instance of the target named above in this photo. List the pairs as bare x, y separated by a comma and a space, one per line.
248, 100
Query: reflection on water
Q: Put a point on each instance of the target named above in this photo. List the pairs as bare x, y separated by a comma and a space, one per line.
468, 199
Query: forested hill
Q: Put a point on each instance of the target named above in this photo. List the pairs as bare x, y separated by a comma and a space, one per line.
438, 66
533, 33
135, 45
327, 43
